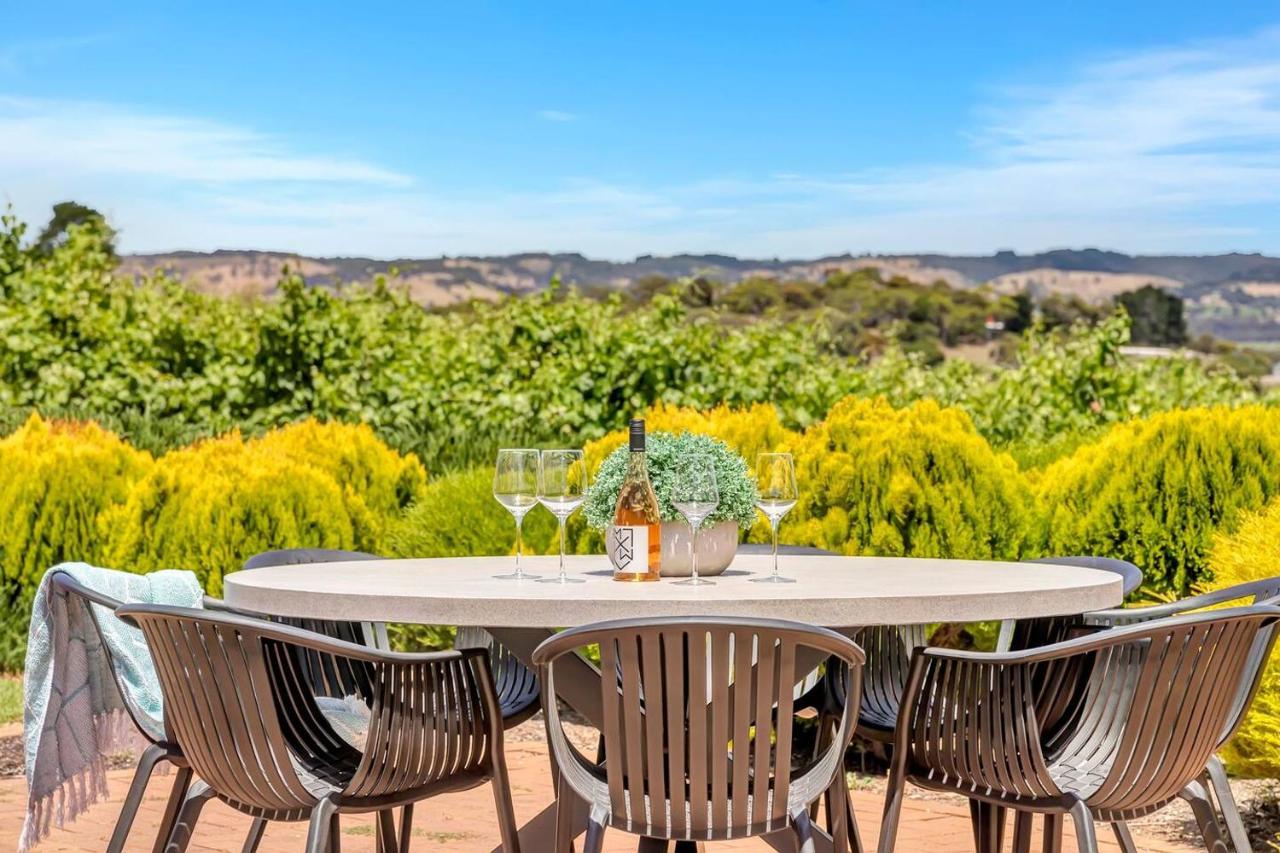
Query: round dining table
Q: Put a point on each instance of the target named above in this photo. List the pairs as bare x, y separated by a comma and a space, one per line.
842, 593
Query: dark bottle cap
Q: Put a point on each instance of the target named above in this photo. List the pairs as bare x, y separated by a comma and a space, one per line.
637, 436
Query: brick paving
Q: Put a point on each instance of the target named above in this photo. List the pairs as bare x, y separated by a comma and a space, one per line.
463, 822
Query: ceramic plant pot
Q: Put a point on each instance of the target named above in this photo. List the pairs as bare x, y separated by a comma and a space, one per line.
717, 545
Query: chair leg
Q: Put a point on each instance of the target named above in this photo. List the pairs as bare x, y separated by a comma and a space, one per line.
1125, 838
838, 813
1227, 804
1206, 817
147, 762
803, 828
594, 842
1082, 821
564, 817
406, 827
507, 826
321, 825
384, 830
1022, 831
335, 834
185, 823
988, 826
1052, 833
254, 838
892, 810
855, 837
177, 796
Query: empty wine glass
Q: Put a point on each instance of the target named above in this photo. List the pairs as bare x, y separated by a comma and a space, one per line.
776, 484
515, 485
696, 496
562, 486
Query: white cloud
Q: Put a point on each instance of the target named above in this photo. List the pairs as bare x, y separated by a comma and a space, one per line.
556, 115
1160, 151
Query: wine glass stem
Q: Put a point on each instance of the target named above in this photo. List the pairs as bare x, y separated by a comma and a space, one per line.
519, 545
562, 575
695, 552
774, 524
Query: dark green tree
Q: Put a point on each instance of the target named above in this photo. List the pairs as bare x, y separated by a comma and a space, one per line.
1157, 315
65, 215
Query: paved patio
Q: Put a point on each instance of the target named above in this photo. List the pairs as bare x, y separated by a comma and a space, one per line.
464, 822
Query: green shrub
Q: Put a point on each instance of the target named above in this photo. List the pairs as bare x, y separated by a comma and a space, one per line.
1154, 491
917, 481
57, 478
1252, 552
457, 516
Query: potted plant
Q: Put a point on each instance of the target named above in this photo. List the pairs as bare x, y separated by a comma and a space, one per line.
718, 539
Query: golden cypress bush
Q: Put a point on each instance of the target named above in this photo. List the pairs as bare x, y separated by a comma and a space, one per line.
209, 506
1154, 491
747, 431
1252, 552
917, 481
58, 476
377, 482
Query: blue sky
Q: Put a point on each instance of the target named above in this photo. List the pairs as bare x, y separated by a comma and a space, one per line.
762, 129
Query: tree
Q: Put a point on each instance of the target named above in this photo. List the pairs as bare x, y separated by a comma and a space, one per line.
66, 214
1157, 315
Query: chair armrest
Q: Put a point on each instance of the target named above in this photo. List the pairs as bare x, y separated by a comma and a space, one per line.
1251, 592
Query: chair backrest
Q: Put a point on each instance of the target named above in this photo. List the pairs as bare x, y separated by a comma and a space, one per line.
64, 584
888, 649
1147, 725
248, 723
1131, 575
1263, 591
327, 677
697, 738
1046, 630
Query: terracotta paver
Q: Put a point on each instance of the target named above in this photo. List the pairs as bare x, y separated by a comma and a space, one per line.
464, 821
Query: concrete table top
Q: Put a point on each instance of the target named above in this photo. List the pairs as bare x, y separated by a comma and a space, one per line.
837, 592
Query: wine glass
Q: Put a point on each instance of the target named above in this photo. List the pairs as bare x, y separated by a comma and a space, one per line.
776, 483
562, 486
515, 485
696, 496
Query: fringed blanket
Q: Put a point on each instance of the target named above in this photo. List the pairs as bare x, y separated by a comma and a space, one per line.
74, 716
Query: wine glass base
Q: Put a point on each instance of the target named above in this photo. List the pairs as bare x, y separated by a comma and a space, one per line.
516, 576
694, 582
559, 579
773, 579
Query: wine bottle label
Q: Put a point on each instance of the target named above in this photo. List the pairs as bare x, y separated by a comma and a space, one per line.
628, 548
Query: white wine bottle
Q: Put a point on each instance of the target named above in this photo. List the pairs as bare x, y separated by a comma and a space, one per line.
634, 542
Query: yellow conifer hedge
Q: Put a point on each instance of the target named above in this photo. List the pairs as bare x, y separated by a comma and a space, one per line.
55, 479
1153, 491
917, 481
1252, 552
748, 430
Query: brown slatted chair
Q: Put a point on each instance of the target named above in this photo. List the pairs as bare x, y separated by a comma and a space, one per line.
516, 684
1214, 778
245, 716
698, 731
1151, 715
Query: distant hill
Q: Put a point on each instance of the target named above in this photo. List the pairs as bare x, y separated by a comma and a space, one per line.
1234, 296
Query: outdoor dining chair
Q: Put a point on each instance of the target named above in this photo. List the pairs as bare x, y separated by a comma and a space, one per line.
1029, 633
698, 732
248, 724
1214, 777
516, 684
1149, 716
161, 748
